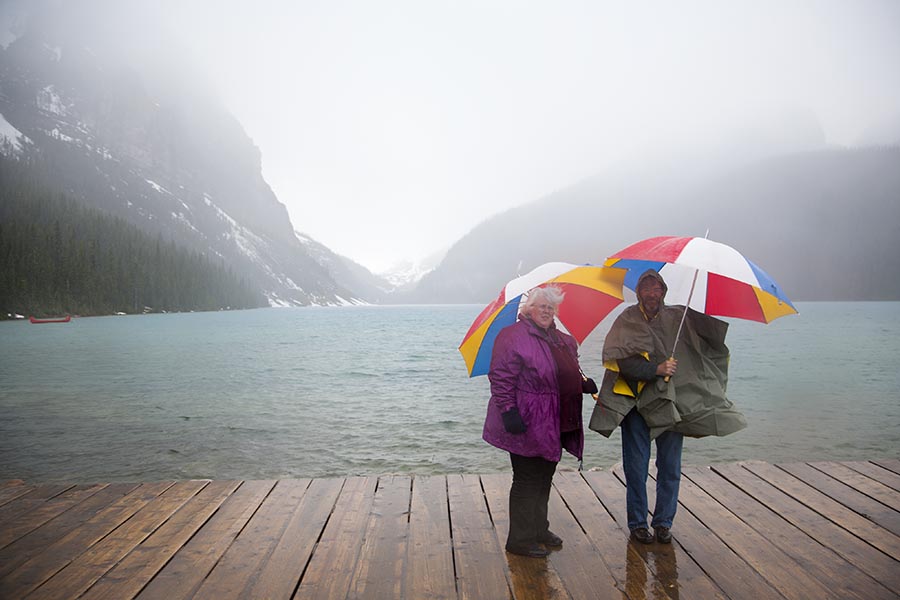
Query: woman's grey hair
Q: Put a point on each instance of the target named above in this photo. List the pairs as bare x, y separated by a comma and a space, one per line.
549, 294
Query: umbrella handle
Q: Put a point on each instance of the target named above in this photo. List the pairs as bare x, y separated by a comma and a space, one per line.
668, 377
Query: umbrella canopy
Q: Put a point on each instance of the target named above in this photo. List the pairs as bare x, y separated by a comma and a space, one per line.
727, 284
591, 292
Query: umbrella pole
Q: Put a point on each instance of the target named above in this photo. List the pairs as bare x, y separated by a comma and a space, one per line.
683, 315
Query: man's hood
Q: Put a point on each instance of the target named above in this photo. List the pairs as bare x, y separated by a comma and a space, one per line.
655, 275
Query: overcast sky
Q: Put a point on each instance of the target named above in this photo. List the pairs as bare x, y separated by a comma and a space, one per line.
390, 129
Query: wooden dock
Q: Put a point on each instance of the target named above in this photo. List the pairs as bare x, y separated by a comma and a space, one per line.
744, 530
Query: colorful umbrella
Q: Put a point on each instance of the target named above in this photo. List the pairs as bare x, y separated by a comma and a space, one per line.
724, 283
591, 292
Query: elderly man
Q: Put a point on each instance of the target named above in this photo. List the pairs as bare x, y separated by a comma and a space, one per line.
654, 396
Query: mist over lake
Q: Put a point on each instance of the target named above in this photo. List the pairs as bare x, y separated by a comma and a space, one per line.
323, 392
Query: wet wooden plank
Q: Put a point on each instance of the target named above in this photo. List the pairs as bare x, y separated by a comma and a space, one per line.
79, 574
871, 499
185, 572
379, 570
429, 558
13, 488
529, 578
579, 564
233, 573
891, 464
851, 548
743, 531
650, 571
604, 534
729, 570
50, 509
479, 557
130, 575
878, 473
792, 478
282, 571
330, 572
41, 567
820, 562
781, 571
36, 541
35, 498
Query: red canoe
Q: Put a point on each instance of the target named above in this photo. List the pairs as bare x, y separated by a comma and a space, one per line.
65, 319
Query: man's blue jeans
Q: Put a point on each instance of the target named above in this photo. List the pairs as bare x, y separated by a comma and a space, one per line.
636, 462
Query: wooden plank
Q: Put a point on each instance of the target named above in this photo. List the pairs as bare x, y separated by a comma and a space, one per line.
649, 571
185, 572
601, 529
379, 570
35, 498
854, 550
44, 565
130, 575
79, 574
876, 502
12, 489
819, 561
329, 573
579, 563
891, 464
529, 578
234, 571
281, 573
429, 559
50, 509
729, 570
782, 572
36, 541
480, 562
822, 501
878, 473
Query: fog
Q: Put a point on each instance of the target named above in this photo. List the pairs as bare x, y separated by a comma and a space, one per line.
390, 129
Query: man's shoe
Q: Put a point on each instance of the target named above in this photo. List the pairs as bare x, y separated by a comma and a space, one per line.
550, 539
663, 535
532, 551
642, 535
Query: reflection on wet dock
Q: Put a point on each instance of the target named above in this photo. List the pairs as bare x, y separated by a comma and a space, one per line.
743, 530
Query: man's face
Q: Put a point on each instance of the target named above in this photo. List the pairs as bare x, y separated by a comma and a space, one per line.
650, 294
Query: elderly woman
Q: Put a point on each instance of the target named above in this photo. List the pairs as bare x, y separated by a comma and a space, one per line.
534, 412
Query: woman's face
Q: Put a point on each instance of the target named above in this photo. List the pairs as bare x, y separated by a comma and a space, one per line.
542, 313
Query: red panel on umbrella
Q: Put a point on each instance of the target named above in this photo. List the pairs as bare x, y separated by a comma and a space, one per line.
730, 298
658, 249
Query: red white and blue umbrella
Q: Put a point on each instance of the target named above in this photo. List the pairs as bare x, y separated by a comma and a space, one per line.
727, 284
591, 292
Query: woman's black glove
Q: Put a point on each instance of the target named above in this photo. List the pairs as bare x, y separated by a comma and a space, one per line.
588, 386
512, 421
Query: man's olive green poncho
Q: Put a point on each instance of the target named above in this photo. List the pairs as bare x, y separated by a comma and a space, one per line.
693, 402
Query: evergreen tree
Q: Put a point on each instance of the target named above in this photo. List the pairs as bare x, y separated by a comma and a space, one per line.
59, 257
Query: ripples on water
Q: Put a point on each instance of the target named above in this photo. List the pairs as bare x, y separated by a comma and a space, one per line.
370, 390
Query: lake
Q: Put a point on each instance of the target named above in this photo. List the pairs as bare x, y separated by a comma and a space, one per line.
315, 392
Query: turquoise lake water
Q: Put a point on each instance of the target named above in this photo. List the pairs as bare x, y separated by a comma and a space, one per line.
318, 392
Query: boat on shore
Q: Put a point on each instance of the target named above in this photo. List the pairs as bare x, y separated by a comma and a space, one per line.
65, 319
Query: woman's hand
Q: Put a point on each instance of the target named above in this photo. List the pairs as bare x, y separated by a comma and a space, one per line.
512, 421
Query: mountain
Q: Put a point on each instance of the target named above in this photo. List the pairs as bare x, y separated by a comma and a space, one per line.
115, 117
824, 223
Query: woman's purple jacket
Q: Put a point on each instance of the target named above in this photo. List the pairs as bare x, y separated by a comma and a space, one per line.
523, 375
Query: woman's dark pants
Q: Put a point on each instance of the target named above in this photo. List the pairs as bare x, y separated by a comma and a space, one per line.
528, 498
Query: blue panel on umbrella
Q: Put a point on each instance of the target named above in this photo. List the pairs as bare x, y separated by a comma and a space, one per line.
507, 316
636, 268
768, 284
